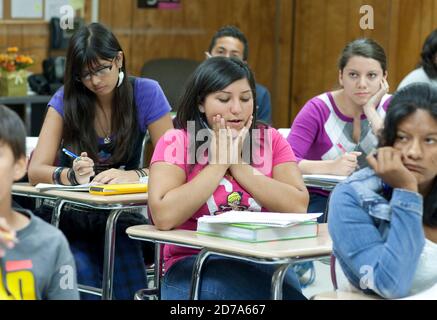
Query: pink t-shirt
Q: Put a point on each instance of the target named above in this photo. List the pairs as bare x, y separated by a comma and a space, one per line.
229, 195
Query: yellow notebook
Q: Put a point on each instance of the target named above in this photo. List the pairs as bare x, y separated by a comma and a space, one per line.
110, 189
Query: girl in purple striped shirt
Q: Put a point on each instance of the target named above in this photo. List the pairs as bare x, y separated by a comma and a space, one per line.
334, 131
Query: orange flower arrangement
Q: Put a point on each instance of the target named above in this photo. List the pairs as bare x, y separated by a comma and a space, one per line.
12, 61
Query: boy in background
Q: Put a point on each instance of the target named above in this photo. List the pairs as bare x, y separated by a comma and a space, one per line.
35, 259
229, 41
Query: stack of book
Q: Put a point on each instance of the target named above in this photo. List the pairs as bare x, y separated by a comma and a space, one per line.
259, 226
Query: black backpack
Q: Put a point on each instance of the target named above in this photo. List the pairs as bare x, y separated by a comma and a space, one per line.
52, 77
54, 69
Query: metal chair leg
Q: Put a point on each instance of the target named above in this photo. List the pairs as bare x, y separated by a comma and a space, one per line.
146, 294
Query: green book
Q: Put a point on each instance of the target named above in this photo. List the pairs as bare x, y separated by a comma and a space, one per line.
258, 232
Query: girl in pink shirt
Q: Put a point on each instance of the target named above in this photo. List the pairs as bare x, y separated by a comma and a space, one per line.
220, 160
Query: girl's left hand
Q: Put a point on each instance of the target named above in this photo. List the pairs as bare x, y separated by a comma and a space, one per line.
372, 104
115, 176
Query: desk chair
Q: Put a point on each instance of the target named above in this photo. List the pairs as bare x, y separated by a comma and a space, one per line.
306, 271
154, 272
339, 294
326, 213
172, 74
143, 157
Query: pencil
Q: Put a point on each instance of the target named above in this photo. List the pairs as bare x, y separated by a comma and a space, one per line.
70, 154
340, 146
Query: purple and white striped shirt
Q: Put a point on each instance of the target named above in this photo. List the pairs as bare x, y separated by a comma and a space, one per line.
320, 127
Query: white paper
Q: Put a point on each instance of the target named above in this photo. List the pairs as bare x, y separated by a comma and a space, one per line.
26, 8
270, 218
52, 8
48, 186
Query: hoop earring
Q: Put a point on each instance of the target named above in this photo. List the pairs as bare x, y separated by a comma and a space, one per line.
120, 78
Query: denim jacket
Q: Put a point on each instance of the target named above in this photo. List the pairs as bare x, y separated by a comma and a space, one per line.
377, 235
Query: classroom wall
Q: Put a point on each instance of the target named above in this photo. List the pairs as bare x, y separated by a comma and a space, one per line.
294, 44
149, 33
322, 28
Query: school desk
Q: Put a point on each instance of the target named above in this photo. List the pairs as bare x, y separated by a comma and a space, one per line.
116, 205
281, 253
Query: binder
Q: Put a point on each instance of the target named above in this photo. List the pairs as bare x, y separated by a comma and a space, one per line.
110, 189
258, 232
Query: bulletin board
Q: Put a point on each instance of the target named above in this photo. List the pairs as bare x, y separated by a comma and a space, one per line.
20, 11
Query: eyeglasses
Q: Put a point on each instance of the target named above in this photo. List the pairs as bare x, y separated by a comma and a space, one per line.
100, 72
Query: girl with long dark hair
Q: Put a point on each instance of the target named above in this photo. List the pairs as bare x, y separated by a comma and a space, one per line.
192, 173
102, 115
383, 219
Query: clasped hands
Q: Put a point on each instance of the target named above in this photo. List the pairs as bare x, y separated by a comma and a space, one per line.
226, 146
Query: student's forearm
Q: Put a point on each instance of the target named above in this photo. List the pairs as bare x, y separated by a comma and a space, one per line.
375, 121
316, 166
44, 174
384, 258
271, 194
179, 204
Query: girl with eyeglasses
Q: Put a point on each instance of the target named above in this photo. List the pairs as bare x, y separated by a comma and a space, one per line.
101, 115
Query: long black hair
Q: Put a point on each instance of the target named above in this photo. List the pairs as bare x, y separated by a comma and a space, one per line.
88, 45
212, 75
405, 102
429, 54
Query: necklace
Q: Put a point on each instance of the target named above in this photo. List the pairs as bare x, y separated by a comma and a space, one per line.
107, 139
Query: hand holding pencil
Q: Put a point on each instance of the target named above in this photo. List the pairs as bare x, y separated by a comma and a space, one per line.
347, 163
82, 165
